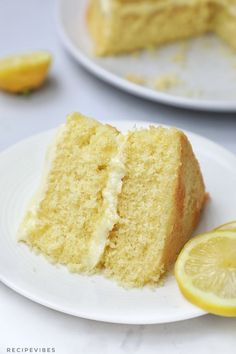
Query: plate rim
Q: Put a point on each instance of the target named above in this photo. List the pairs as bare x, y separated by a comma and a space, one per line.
105, 319
131, 88
33, 297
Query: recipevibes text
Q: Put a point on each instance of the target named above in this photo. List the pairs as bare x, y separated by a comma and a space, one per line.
30, 350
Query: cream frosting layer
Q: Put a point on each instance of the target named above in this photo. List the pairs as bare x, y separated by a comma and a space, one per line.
33, 206
110, 198
147, 6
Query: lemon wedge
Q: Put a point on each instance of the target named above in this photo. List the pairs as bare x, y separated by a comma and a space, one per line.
206, 272
229, 226
22, 73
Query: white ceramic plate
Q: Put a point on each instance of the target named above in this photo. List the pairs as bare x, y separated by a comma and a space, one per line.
95, 297
205, 67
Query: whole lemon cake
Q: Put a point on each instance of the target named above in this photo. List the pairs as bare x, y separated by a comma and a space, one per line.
119, 26
120, 204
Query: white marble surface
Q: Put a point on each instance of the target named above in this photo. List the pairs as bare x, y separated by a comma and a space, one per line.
29, 24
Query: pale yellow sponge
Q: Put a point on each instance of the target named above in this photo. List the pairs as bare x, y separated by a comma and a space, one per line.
75, 208
119, 26
159, 206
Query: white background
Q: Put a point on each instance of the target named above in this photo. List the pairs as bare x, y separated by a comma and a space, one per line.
30, 24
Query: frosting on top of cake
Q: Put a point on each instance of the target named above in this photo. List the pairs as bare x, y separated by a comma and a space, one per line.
105, 5
148, 5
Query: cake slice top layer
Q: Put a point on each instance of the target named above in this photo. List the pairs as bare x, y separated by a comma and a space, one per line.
76, 205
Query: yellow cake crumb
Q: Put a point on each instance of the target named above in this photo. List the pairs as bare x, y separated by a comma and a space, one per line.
136, 79
136, 54
166, 82
180, 57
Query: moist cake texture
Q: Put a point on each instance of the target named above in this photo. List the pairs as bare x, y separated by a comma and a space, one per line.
159, 206
119, 26
120, 204
75, 208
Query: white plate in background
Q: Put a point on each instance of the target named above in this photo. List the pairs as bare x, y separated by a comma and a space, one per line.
205, 67
94, 297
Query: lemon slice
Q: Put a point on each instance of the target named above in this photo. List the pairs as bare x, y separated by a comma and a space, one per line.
21, 73
206, 272
229, 226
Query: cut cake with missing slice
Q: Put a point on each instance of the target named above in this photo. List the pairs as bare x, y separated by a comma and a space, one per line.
75, 208
120, 26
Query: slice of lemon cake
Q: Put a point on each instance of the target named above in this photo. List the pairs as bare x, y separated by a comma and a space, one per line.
121, 204
119, 26
159, 206
70, 217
